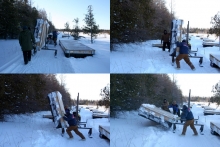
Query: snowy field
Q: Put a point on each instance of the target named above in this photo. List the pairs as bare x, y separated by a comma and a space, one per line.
132, 130
143, 58
11, 58
31, 130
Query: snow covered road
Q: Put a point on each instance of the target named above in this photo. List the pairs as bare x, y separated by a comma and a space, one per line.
11, 59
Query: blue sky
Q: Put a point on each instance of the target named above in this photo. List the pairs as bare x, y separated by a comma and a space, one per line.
62, 11
197, 12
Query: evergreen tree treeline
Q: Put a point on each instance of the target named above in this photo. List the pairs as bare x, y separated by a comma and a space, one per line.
14, 14
27, 93
138, 20
129, 91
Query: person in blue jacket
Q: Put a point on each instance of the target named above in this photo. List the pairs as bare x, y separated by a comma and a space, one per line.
175, 107
183, 54
188, 116
72, 124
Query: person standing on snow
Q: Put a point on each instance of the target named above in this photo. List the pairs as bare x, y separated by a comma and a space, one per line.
175, 107
166, 106
55, 37
188, 116
165, 39
183, 54
26, 38
72, 125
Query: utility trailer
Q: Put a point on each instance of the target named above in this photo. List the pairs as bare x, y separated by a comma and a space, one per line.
215, 128
214, 60
164, 118
75, 49
104, 131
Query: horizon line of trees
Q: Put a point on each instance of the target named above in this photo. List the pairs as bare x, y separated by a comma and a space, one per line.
27, 93
14, 14
129, 91
138, 20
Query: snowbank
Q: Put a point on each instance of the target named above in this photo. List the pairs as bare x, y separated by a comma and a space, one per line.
132, 130
31, 130
143, 58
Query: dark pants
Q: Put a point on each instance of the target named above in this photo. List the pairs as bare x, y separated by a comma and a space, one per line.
27, 56
55, 41
191, 124
186, 59
166, 44
75, 129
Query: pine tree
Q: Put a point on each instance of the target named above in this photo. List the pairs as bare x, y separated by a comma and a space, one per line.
76, 29
67, 27
91, 27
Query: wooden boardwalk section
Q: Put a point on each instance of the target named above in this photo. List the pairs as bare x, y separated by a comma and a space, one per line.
104, 131
75, 49
215, 128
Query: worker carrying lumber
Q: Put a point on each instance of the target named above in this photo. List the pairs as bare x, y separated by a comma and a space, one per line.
165, 39
72, 124
188, 116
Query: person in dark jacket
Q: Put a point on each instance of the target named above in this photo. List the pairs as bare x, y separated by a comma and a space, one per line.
55, 37
72, 125
175, 107
26, 38
165, 39
188, 116
183, 54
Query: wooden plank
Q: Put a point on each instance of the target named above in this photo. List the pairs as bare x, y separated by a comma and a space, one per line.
159, 112
48, 116
60, 109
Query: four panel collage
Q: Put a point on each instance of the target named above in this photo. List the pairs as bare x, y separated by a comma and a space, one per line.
61, 61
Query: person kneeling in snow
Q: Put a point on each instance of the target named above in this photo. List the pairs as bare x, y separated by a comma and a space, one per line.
187, 114
183, 54
72, 125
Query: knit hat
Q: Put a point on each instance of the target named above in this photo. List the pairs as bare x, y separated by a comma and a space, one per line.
67, 111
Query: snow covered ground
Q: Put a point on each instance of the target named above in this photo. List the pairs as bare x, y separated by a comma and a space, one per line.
143, 58
11, 58
31, 130
132, 130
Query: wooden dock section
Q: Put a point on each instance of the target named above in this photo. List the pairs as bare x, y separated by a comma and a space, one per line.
209, 44
147, 110
75, 49
211, 112
104, 131
214, 59
215, 128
